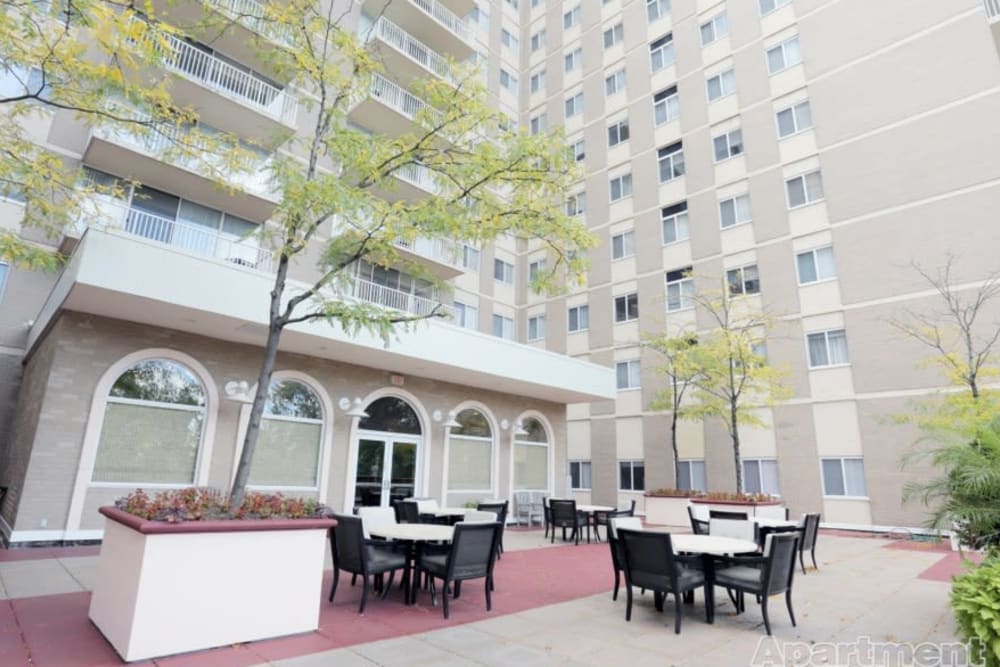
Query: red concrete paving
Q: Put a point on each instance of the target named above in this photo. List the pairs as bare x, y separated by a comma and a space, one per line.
54, 630
7, 555
954, 563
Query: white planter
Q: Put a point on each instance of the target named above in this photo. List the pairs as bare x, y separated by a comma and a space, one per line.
664, 511
166, 588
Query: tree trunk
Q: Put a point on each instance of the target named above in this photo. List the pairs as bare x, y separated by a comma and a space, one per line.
274, 329
673, 443
737, 459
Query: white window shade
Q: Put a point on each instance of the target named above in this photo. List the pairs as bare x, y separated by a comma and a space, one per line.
287, 453
469, 464
531, 467
148, 444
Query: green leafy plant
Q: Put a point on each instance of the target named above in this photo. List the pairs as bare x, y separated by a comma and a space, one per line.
726, 496
198, 504
975, 598
674, 493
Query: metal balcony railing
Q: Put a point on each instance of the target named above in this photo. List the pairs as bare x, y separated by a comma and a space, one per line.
395, 299
402, 41
391, 94
445, 17
440, 250
418, 176
992, 10
250, 13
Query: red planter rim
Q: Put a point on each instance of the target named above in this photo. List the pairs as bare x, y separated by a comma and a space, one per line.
706, 501
147, 527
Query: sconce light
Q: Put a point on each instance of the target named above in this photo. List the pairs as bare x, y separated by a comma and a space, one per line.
519, 429
353, 408
452, 422
238, 390
504, 424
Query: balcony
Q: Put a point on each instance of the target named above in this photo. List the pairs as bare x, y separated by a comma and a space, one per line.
429, 21
406, 57
411, 182
394, 299
437, 255
388, 109
992, 10
250, 15
147, 158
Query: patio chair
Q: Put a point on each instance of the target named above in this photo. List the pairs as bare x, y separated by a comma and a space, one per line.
353, 553
630, 511
650, 563
409, 511
372, 517
564, 515
546, 515
732, 516
698, 526
471, 555
524, 508
764, 531
617, 555
602, 517
763, 576
500, 509
740, 530
810, 530
480, 516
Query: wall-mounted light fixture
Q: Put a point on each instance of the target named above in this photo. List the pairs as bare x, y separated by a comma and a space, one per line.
355, 408
519, 429
238, 390
452, 422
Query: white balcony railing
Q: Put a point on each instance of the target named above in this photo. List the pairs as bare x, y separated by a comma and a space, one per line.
243, 86
418, 176
439, 250
393, 95
402, 41
445, 17
992, 10
395, 299
250, 14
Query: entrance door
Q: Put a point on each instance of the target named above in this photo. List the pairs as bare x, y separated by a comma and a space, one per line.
387, 471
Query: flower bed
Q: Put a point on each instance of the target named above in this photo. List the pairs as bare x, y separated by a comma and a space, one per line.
668, 507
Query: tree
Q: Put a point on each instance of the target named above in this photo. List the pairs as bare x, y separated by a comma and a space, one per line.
730, 373
81, 57
678, 367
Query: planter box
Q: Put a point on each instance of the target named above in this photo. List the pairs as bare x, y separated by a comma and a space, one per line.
667, 511
165, 588
771, 509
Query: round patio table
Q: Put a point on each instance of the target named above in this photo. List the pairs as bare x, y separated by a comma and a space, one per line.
774, 523
450, 511
414, 534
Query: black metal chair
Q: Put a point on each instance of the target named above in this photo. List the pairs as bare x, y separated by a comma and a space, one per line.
546, 515
763, 576
563, 515
353, 553
764, 531
409, 511
810, 530
615, 545
731, 516
698, 526
500, 509
601, 518
471, 555
650, 563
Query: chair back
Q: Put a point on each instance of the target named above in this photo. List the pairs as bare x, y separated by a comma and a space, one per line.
722, 514
563, 511
698, 526
409, 511
630, 511
764, 531
347, 543
373, 517
473, 550
480, 516
500, 509
810, 529
648, 559
740, 530
626, 522
779, 568
425, 505
522, 502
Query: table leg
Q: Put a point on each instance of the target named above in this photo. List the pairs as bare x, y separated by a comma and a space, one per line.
709, 568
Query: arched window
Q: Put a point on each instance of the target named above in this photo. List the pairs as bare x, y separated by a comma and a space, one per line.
291, 437
153, 424
470, 453
531, 457
391, 415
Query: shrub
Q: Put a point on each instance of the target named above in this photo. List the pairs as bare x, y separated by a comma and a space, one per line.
712, 495
975, 598
675, 493
195, 504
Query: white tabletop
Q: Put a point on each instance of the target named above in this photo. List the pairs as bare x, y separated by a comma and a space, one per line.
594, 508
451, 511
773, 523
710, 544
415, 532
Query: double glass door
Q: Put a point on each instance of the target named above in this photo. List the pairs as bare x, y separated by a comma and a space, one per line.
386, 472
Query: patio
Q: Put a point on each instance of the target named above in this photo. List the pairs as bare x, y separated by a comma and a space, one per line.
552, 605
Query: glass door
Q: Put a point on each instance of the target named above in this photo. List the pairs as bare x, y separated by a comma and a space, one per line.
403, 472
386, 472
370, 473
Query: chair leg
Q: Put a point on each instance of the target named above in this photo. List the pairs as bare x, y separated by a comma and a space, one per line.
489, 596
678, 612
354, 578
763, 611
364, 593
388, 585
444, 598
802, 562
336, 580
788, 603
457, 587
628, 601
812, 553
614, 596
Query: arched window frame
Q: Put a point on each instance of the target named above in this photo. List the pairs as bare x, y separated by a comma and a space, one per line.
494, 449
548, 444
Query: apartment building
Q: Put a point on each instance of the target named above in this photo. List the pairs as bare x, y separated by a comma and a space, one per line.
132, 366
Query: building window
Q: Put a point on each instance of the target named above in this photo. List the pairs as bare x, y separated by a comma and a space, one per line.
794, 119
537, 81
804, 189
671, 161
531, 457
680, 289
661, 52
631, 476
503, 271
844, 477
571, 18
627, 374
539, 123
291, 436
721, 85
714, 29
728, 145
466, 316
784, 55
573, 59
657, 8
618, 132
4, 271
768, 6
615, 83
621, 187
152, 427
761, 476
666, 106
503, 327
508, 40
576, 204
743, 280
19, 80
579, 150
538, 40
535, 268
627, 307
734, 211
536, 327
508, 81
574, 105
579, 475
614, 35
623, 245
470, 453
579, 318
480, 16
674, 220
470, 258
816, 265
691, 475
827, 348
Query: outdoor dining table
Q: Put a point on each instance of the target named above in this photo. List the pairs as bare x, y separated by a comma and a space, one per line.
768, 522
449, 512
413, 534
